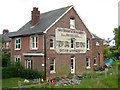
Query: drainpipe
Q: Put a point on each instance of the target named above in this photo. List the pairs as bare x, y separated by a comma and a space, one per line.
45, 55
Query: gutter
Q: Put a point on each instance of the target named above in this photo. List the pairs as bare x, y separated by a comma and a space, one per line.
45, 55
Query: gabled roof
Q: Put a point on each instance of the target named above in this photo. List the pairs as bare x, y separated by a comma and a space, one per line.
7, 35
96, 37
46, 20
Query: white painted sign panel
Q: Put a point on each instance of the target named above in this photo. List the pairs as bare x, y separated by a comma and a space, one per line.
70, 41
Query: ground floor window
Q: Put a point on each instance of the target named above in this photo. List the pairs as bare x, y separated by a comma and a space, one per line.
95, 61
28, 64
17, 58
87, 63
52, 66
72, 64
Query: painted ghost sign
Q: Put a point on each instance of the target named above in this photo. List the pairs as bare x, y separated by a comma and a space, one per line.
70, 41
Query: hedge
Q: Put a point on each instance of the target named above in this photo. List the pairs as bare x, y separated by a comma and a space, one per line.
14, 71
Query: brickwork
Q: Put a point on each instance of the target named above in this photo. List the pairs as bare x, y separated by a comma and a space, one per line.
62, 61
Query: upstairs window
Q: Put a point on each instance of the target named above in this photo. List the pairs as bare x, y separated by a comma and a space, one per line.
34, 42
97, 43
51, 42
7, 45
88, 44
17, 43
72, 23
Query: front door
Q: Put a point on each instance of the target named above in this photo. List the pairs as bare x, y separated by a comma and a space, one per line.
72, 64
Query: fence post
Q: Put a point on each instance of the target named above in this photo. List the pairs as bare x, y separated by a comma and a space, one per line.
44, 84
19, 84
74, 80
39, 81
105, 73
49, 84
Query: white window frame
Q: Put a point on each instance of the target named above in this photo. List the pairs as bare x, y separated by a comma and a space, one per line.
88, 44
72, 23
26, 64
96, 61
88, 67
17, 44
35, 42
52, 71
73, 70
7, 45
97, 43
17, 57
52, 37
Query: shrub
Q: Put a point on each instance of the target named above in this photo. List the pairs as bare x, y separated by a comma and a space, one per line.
18, 71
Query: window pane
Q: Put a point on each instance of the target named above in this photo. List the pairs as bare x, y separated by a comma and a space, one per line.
72, 23
87, 61
52, 41
72, 43
52, 64
94, 60
51, 67
18, 45
18, 40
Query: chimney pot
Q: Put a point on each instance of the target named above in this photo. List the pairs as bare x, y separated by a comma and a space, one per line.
5, 31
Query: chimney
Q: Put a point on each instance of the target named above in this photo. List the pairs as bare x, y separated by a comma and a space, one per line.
5, 31
35, 16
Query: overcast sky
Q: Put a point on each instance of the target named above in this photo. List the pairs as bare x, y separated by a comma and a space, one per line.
100, 16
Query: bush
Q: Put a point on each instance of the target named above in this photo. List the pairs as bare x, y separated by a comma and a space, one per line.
18, 71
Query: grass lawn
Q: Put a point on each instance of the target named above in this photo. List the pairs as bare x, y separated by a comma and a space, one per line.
98, 81
11, 82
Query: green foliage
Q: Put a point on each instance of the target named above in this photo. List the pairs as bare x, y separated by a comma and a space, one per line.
117, 40
5, 59
107, 52
18, 71
3, 40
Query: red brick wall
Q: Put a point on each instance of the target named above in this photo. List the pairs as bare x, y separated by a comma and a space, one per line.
25, 47
62, 62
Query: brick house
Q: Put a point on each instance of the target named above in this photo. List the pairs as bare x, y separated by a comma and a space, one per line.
7, 45
57, 43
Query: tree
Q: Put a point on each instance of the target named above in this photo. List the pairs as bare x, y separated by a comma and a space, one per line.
117, 40
108, 41
107, 52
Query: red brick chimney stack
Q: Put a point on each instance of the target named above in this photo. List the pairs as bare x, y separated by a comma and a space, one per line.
35, 16
5, 31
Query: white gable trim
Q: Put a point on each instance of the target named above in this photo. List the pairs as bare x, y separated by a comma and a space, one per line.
63, 15
57, 20
83, 22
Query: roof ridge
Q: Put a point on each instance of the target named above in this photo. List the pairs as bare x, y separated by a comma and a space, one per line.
57, 9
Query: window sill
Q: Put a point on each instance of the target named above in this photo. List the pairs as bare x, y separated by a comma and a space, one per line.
51, 48
17, 49
72, 28
88, 67
97, 45
34, 49
52, 72
95, 64
88, 49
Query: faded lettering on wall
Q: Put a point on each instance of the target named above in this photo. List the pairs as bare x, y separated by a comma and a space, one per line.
70, 41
